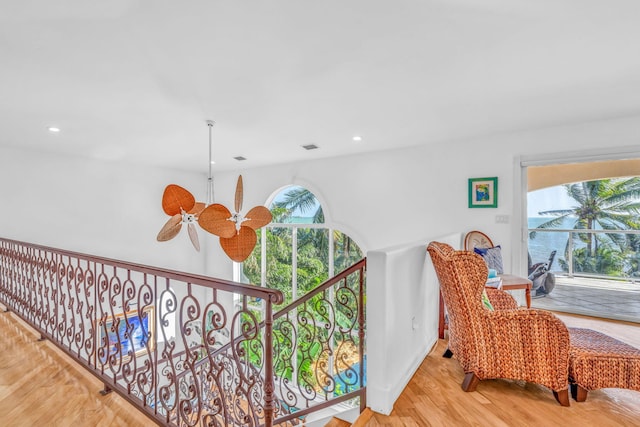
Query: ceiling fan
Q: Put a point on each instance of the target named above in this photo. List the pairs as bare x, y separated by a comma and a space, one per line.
237, 232
182, 207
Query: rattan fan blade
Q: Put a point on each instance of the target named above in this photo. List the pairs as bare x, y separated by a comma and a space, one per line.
215, 220
239, 194
240, 246
193, 235
258, 217
170, 229
175, 199
197, 208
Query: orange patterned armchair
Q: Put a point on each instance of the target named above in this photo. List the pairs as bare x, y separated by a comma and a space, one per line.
509, 342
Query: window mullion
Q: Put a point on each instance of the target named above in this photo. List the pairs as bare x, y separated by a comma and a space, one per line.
294, 297
331, 303
263, 266
263, 258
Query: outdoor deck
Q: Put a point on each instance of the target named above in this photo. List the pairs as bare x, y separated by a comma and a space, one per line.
611, 299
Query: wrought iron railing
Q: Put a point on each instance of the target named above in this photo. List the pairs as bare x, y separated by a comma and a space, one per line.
319, 346
143, 330
618, 256
185, 349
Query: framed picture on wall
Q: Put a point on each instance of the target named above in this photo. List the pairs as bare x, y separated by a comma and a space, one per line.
126, 335
483, 192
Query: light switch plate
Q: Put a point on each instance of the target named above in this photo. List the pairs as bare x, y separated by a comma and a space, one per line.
502, 219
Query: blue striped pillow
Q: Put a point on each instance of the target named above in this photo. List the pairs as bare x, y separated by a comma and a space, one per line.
492, 256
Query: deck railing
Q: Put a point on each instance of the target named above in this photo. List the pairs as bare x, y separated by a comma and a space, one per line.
185, 349
574, 260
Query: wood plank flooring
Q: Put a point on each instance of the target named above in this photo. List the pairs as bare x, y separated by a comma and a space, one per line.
335, 422
41, 386
434, 396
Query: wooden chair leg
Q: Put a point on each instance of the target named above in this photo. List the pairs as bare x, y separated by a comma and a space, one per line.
470, 382
578, 393
562, 397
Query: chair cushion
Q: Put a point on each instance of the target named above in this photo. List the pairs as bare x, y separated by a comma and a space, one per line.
492, 256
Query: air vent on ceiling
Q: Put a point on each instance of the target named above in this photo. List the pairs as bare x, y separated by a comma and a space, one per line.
240, 158
310, 146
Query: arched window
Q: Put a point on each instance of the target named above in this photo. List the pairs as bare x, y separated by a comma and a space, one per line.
299, 250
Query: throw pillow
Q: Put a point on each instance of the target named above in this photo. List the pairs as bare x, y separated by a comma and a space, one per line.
492, 256
485, 300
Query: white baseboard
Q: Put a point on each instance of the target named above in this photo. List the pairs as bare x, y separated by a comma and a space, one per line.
387, 396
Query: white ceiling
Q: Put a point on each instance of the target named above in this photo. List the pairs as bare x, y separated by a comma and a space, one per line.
136, 79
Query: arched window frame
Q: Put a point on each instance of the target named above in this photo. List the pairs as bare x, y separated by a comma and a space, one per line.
293, 227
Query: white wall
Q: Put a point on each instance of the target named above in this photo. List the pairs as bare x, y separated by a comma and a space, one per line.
402, 307
387, 198
95, 207
380, 199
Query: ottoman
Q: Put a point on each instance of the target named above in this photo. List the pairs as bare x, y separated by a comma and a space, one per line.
598, 361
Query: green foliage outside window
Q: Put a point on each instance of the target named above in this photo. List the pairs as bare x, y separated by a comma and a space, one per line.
607, 204
312, 268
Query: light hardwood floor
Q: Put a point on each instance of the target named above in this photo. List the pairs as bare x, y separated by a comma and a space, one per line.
434, 396
41, 386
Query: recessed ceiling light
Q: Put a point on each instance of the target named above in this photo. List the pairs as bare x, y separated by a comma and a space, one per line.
357, 138
54, 129
212, 162
310, 146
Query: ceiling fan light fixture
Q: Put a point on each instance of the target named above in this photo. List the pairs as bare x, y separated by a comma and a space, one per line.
237, 232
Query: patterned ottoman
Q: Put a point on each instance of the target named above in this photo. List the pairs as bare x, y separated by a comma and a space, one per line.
598, 361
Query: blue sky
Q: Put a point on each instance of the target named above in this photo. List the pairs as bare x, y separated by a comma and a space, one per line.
548, 199
297, 213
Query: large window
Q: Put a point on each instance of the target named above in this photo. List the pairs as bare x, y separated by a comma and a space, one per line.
594, 226
316, 344
584, 246
298, 251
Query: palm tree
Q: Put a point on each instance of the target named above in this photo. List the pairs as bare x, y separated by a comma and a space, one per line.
609, 204
302, 200
299, 199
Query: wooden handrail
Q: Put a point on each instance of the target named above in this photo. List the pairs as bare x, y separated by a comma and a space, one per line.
360, 265
274, 295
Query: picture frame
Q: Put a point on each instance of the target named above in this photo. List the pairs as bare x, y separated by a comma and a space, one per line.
137, 340
483, 192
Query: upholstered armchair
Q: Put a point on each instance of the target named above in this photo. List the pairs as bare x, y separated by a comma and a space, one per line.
508, 342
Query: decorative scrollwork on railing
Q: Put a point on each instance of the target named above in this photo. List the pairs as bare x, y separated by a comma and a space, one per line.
184, 348
190, 350
319, 347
